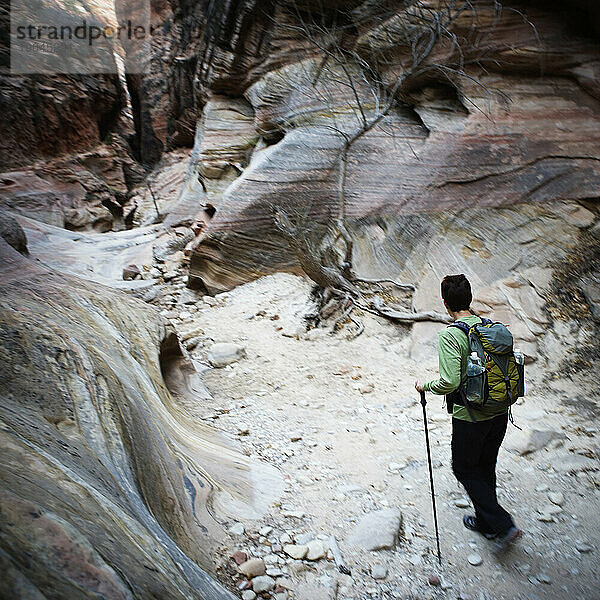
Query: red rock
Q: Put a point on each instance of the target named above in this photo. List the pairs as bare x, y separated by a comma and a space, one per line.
434, 580
239, 557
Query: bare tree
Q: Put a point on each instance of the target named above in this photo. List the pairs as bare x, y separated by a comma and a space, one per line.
377, 52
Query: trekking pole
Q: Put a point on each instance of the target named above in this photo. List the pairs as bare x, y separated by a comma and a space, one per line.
435, 521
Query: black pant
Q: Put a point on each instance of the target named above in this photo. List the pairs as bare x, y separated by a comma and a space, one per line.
474, 452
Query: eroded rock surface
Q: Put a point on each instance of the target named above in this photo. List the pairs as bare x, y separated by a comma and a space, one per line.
490, 179
108, 487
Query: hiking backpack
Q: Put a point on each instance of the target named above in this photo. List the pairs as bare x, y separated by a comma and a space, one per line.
495, 373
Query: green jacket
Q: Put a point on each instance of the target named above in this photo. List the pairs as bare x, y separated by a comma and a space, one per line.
453, 351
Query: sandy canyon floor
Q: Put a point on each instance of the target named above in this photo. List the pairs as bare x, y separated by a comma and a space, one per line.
340, 418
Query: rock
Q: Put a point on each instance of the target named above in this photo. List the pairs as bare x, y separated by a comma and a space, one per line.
474, 559
223, 354
316, 550
252, 568
239, 557
434, 580
131, 272
296, 551
303, 538
248, 595
556, 498
377, 530
379, 571
263, 583
543, 578
81, 343
236, 529
462, 503
13, 233
265, 530
366, 388
583, 547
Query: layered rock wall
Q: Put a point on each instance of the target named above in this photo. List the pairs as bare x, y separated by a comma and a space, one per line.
109, 488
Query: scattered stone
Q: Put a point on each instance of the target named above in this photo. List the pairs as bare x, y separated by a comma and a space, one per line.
192, 343
223, 354
195, 332
295, 437
546, 518
462, 503
366, 388
303, 538
377, 530
544, 578
248, 595
583, 547
474, 559
253, 568
236, 529
434, 580
263, 583
379, 571
414, 559
265, 530
556, 498
296, 551
243, 429
239, 557
131, 272
316, 550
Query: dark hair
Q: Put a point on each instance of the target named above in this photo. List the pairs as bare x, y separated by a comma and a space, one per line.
456, 291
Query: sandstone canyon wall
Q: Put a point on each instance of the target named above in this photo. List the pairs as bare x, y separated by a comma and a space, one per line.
109, 488
490, 173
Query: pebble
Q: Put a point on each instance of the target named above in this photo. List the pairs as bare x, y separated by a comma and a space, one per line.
303, 538
544, 578
556, 498
583, 547
296, 551
462, 503
474, 559
252, 568
265, 530
379, 571
248, 595
239, 557
316, 550
236, 529
264, 583
414, 559
434, 580
366, 388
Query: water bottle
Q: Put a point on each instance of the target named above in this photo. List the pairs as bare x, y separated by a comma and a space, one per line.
475, 379
520, 361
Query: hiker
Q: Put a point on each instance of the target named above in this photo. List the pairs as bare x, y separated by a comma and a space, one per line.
477, 431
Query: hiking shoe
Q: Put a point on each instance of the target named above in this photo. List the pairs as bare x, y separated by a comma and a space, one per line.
505, 541
470, 522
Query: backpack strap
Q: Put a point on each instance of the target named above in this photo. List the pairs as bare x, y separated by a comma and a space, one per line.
462, 326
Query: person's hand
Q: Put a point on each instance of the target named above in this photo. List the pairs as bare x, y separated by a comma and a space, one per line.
419, 385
